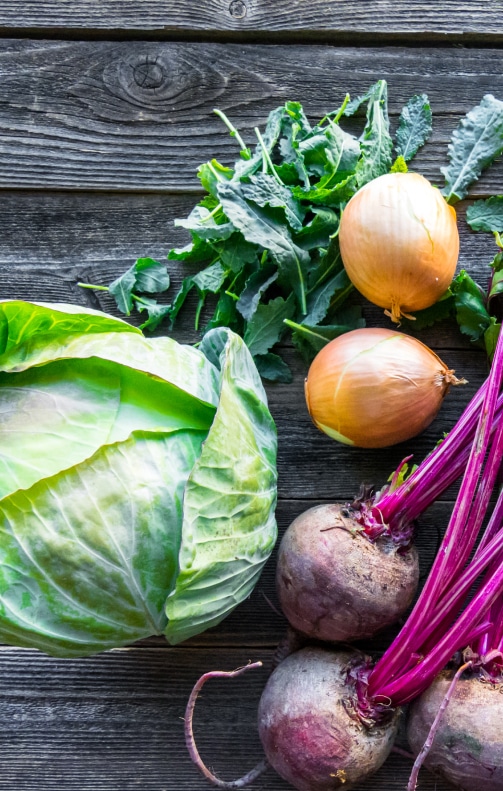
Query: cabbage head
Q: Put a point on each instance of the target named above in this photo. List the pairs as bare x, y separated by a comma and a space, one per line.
137, 480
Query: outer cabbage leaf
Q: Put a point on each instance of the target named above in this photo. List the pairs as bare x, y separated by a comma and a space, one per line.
184, 366
87, 556
229, 527
70, 384
20, 321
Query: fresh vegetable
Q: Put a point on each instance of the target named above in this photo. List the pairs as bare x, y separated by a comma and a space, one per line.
477, 310
189, 730
463, 743
137, 480
432, 635
399, 243
346, 572
310, 735
455, 725
264, 236
475, 143
480, 313
467, 749
376, 387
371, 695
335, 584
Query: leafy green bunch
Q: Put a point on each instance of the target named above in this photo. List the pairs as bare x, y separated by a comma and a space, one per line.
479, 311
264, 238
265, 234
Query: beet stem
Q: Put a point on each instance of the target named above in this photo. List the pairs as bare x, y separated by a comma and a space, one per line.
408, 685
460, 536
492, 638
494, 524
250, 776
434, 728
451, 602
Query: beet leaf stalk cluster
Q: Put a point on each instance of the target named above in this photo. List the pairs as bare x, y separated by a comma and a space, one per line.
436, 629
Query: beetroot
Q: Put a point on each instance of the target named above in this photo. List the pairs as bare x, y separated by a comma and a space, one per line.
468, 746
336, 585
308, 725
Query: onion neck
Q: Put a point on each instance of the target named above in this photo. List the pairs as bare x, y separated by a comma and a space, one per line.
448, 379
396, 314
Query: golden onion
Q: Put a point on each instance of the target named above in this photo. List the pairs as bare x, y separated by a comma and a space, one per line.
375, 387
399, 243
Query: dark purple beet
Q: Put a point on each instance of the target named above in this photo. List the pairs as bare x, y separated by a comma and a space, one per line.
468, 747
334, 584
309, 733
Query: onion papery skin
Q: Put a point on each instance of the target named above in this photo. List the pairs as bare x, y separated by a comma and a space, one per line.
399, 243
375, 387
334, 584
468, 747
308, 729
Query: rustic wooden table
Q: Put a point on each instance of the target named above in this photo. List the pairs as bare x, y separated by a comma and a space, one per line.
105, 113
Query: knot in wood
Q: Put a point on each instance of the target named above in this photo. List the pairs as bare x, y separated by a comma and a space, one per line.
148, 75
237, 9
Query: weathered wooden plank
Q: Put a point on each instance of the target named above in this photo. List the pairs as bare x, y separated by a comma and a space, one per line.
139, 115
114, 722
468, 21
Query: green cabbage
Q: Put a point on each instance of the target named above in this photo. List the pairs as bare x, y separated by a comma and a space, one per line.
137, 480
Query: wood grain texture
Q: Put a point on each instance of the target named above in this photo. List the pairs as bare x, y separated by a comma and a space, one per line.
137, 116
475, 20
115, 723
99, 145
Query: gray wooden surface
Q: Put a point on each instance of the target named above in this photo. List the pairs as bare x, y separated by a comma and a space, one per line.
472, 20
105, 114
